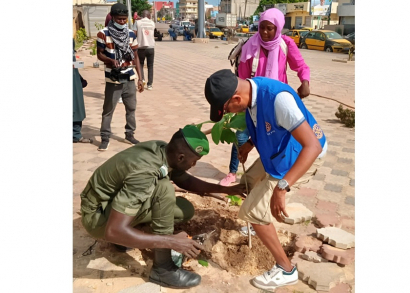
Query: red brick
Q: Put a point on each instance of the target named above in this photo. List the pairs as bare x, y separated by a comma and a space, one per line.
307, 243
340, 256
328, 220
309, 192
341, 288
327, 206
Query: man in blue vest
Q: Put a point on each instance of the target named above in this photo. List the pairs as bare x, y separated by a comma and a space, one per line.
291, 146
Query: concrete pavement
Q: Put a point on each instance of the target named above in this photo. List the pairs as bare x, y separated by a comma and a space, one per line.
177, 98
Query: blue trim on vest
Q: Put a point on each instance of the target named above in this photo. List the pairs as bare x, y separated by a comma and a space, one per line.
277, 148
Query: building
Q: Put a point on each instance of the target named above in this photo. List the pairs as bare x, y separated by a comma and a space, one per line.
188, 9
90, 14
346, 12
238, 7
298, 14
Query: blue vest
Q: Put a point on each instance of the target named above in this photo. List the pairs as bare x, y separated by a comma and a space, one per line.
277, 148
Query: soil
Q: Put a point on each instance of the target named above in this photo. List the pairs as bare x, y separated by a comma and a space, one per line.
226, 246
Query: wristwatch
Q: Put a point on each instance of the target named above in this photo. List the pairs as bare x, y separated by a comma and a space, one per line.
283, 185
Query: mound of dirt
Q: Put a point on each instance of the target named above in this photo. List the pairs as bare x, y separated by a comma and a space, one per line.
226, 246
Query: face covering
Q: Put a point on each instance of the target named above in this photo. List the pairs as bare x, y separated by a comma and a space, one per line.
119, 26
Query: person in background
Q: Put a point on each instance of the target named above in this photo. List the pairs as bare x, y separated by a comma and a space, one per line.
78, 104
172, 33
117, 48
146, 43
266, 43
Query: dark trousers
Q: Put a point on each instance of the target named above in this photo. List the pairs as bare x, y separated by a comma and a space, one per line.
113, 92
162, 211
149, 54
77, 130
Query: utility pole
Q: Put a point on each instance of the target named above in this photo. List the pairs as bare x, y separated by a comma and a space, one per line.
244, 11
201, 19
129, 13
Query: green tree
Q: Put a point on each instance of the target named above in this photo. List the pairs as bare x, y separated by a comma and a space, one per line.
139, 6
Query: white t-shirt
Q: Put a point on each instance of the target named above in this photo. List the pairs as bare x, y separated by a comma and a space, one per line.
287, 112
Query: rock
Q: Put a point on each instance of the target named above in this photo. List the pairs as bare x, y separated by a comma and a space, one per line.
336, 237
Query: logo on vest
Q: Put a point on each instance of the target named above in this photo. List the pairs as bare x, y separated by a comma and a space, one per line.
199, 149
268, 126
318, 131
146, 32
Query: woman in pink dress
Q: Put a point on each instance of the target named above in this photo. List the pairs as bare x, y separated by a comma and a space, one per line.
269, 44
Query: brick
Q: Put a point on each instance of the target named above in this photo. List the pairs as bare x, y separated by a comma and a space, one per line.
337, 180
336, 237
327, 206
339, 172
340, 256
348, 150
320, 176
333, 187
328, 164
345, 161
341, 288
308, 192
313, 274
349, 200
305, 243
334, 143
297, 213
352, 182
328, 220
330, 196
347, 223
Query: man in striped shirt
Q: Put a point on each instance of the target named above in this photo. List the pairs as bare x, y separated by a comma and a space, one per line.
117, 48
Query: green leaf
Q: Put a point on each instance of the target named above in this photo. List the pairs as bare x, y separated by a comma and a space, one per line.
237, 122
216, 132
228, 136
235, 200
203, 263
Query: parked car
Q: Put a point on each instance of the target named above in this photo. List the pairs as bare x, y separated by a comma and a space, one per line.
295, 35
350, 37
325, 40
306, 28
214, 32
242, 28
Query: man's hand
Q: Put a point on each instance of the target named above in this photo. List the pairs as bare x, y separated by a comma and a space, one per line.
114, 63
277, 204
304, 90
244, 151
184, 245
238, 189
140, 86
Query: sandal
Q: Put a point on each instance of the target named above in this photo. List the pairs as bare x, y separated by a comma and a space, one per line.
84, 140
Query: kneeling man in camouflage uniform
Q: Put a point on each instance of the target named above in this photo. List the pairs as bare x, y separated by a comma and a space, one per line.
134, 187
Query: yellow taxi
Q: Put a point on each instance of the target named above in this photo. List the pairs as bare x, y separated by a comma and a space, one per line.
242, 28
295, 35
307, 28
214, 32
325, 40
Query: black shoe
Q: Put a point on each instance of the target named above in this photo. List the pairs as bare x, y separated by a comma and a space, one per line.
105, 142
129, 137
165, 273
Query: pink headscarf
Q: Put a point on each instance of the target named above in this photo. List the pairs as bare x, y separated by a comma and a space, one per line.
249, 50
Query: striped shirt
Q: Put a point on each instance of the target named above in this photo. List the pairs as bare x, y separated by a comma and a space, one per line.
104, 41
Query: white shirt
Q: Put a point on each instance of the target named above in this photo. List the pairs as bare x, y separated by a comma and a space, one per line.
287, 112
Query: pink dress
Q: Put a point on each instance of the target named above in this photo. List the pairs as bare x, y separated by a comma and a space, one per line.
294, 58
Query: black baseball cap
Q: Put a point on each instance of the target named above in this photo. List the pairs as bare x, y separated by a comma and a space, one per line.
219, 88
119, 9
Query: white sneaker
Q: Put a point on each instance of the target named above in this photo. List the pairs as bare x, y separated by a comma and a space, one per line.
149, 87
276, 277
120, 101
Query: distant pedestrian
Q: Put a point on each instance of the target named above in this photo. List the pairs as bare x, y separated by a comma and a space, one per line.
78, 104
117, 48
146, 43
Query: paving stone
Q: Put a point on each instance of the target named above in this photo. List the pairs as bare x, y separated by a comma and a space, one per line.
305, 243
339, 172
341, 288
336, 237
313, 274
333, 187
297, 213
308, 192
328, 220
349, 200
345, 161
327, 206
143, 288
348, 150
352, 182
328, 164
330, 196
313, 256
347, 223
334, 143
320, 176
340, 256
